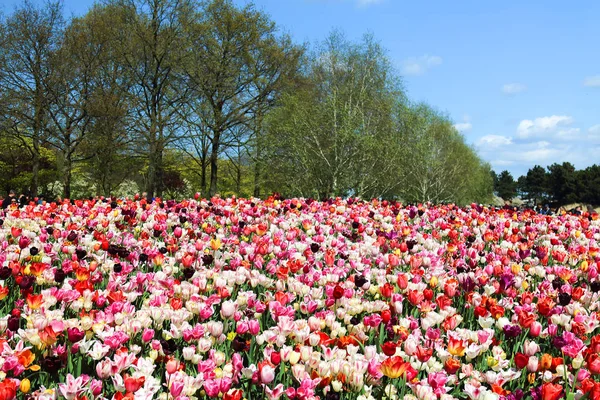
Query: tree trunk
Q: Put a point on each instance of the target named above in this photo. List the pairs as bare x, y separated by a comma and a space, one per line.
150, 182
37, 129
67, 171
159, 184
35, 168
203, 166
238, 180
257, 160
214, 158
203, 179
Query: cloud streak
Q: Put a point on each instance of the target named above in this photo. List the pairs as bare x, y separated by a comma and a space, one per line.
513, 88
592, 81
365, 3
416, 66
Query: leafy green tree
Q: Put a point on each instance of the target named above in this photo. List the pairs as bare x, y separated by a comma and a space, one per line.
16, 164
536, 184
31, 36
506, 187
151, 42
437, 165
237, 63
108, 152
562, 183
588, 185
333, 134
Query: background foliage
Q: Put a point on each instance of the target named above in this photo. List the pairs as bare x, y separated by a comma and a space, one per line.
173, 97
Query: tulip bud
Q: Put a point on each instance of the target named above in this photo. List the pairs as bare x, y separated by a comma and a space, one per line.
25, 386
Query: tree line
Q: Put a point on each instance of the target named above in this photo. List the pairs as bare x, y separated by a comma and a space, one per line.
559, 184
173, 96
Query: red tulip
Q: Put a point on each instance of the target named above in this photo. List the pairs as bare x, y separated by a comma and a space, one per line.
521, 360
389, 348
386, 315
338, 292
451, 365
551, 391
593, 363
387, 290
8, 389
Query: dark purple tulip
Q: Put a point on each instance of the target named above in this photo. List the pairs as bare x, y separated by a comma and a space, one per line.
564, 299
506, 281
14, 323
5, 273
559, 342
59, 276
511, 331
26, 282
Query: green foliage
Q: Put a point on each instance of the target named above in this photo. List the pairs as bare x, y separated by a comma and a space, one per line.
16, 164
506, 187
562, 182
333, 135
535, 184
167, 95
437, 165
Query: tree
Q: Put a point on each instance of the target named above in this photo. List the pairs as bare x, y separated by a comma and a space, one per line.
71, 84
562, 183
31, 36
588, 185
238, 62
151, 37
108, 151
536, 183
437, 165
506, 186
333, 134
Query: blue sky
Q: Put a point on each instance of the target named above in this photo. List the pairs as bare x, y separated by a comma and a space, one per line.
521, 79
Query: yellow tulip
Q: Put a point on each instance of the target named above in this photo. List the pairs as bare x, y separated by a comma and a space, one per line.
25, 385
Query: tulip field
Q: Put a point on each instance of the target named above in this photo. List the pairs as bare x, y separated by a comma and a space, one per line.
297, 299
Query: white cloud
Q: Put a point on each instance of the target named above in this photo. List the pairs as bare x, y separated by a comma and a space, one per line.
463, 126
592, 81
419, 65
518, 155
493, 141
513, 88
544, 125
568, 133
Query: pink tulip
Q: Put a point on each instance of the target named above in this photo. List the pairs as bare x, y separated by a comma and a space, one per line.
177, 232
96, 387
24, 241
535, 329
176, 388
172, 366
147, 335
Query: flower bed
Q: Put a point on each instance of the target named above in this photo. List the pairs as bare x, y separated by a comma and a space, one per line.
297, 299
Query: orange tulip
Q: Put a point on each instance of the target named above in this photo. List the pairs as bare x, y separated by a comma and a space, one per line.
34, 301
4, 292
545, 362
451, 365
395, 367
